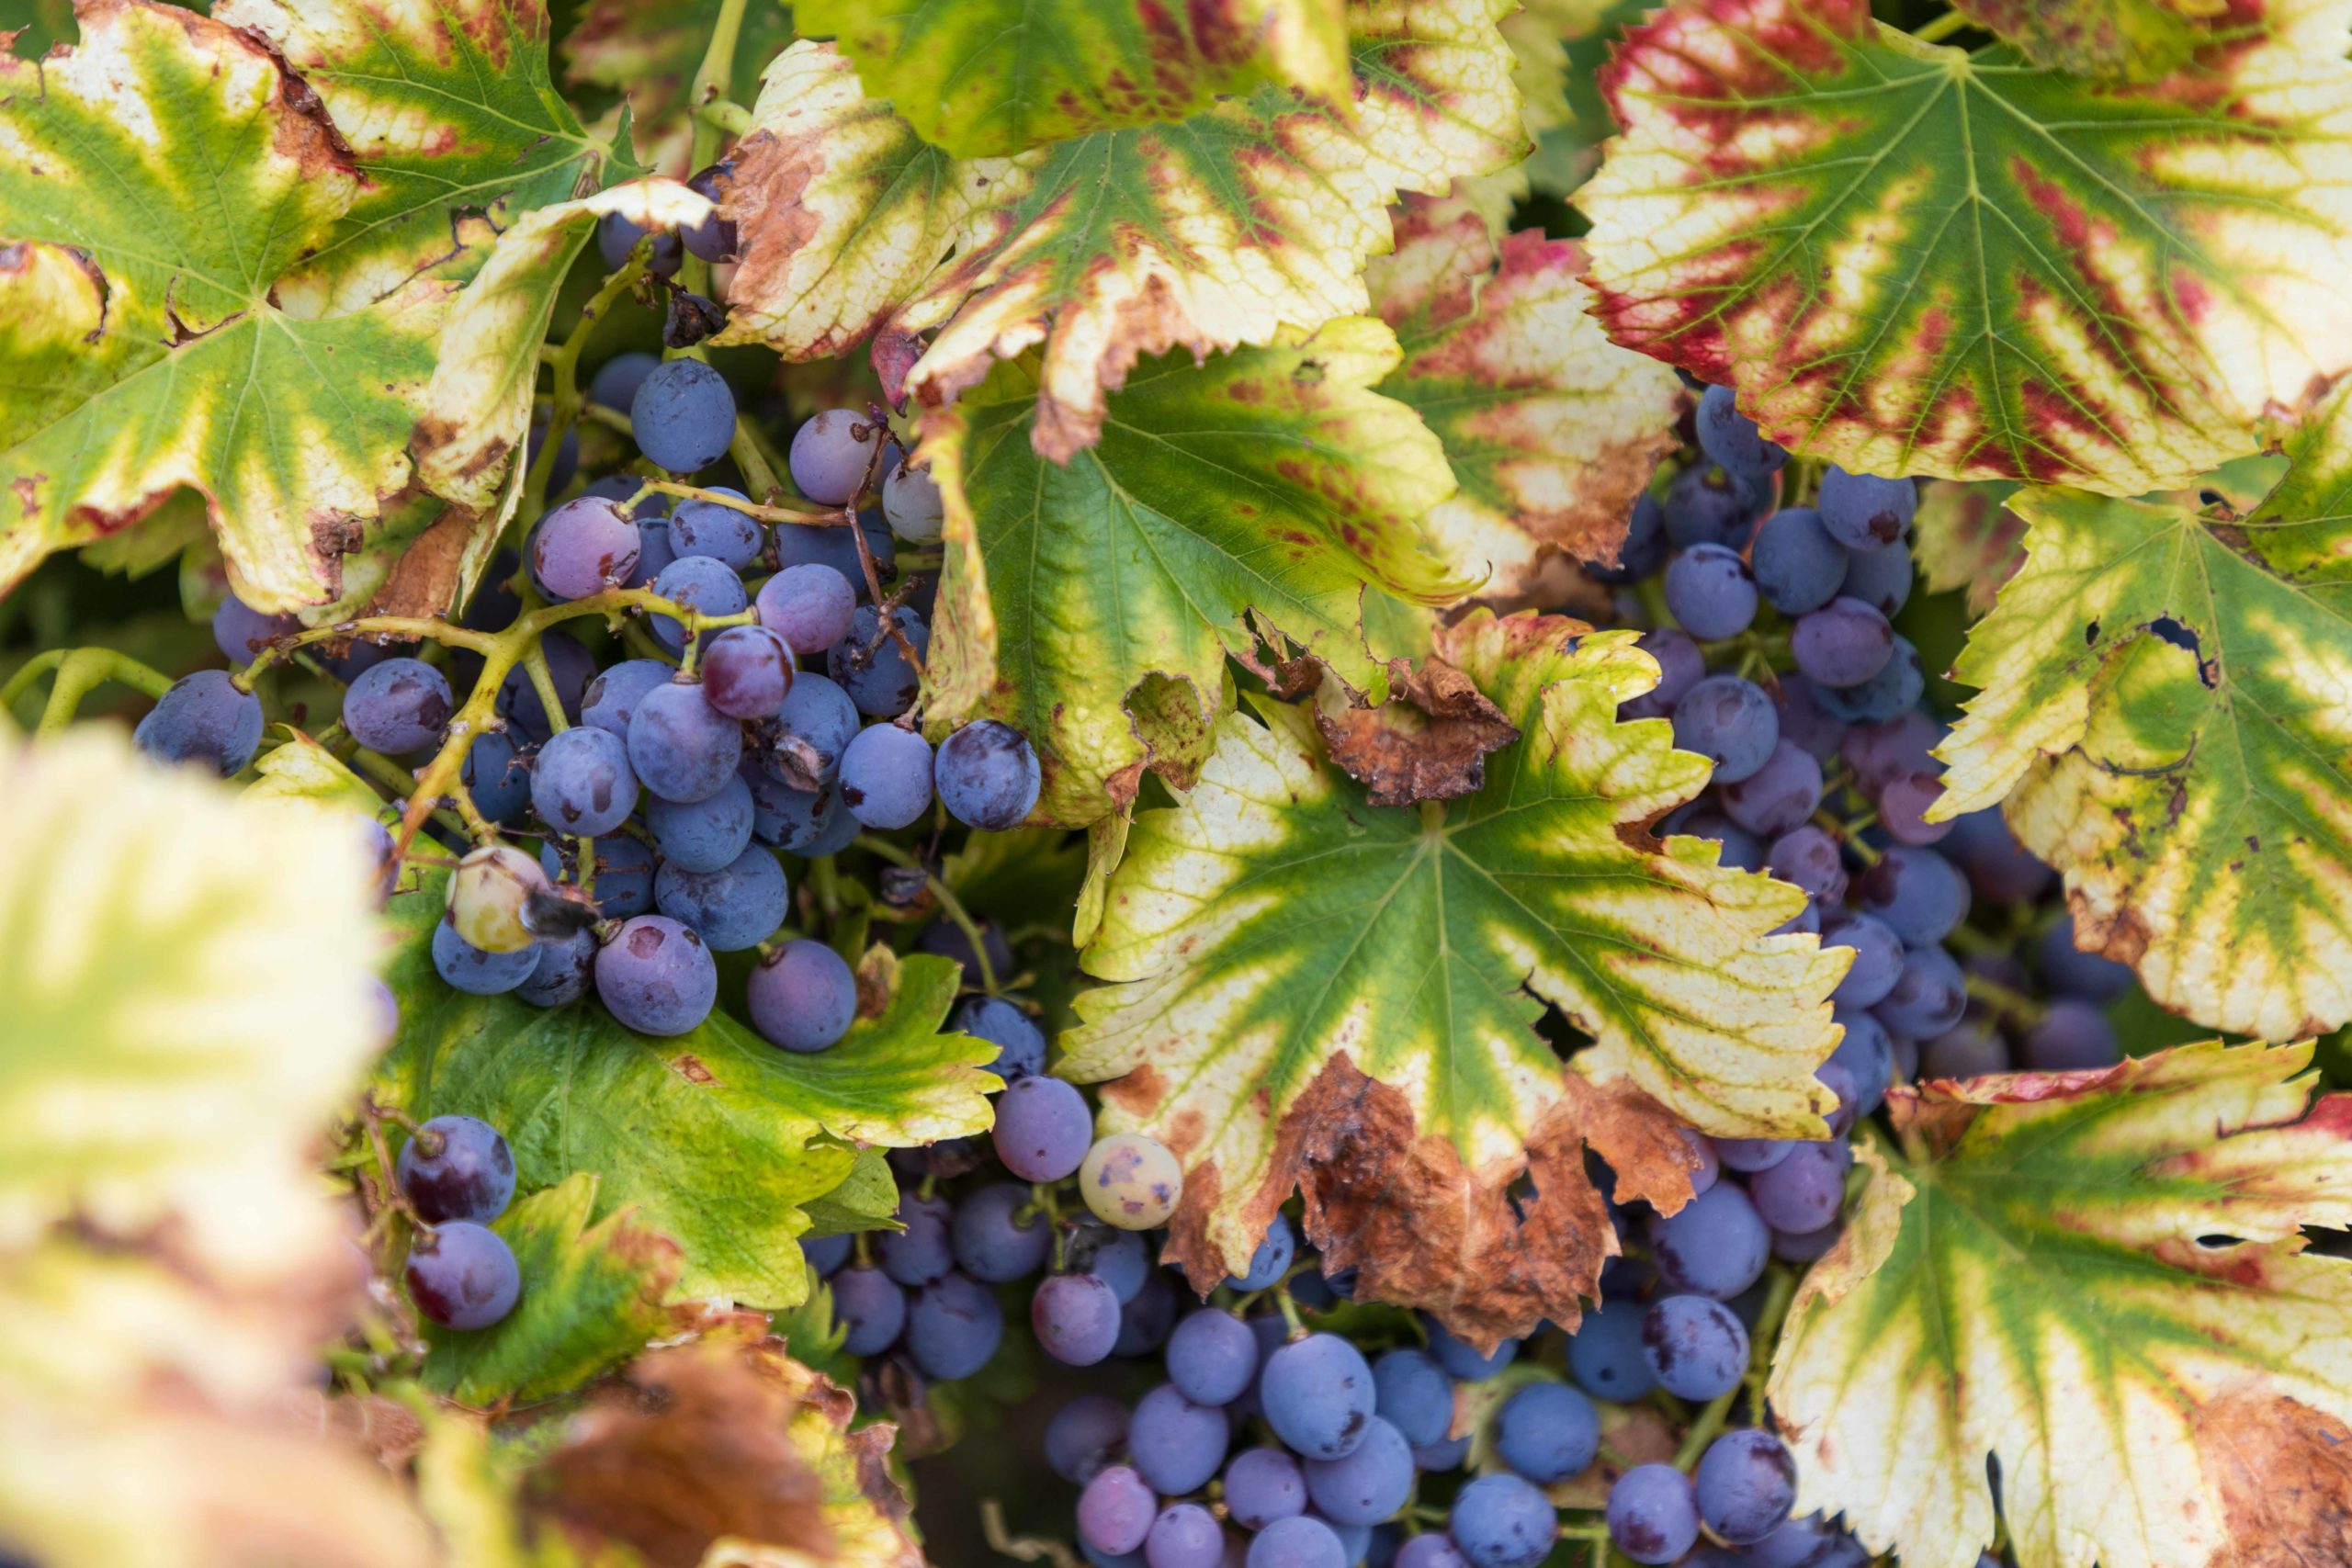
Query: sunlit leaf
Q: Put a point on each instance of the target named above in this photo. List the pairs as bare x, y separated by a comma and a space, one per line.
2135, 39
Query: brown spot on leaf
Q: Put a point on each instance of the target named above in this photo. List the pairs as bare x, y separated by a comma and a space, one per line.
1429, 741
423, 581
878, 981
689, 1067
2284, 1473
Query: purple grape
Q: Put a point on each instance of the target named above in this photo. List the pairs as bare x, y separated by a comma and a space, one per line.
1020, 1044
468, 968
1185, 1535
1798, 566
656, 977
1880, 578
1084, 1435
682, 416
203, 718
708, 587
986, 775
1748, 1155
1709, 1170
240, 631
1930, 996
803, 998
1643, 551
1043, 1129
1706, 506
462, 1276
616, 236
565, 970
615, 384
1414, 1395
1842, 644
1500, 1521
730, 537
1915, 893
713, 239
1708, 592
1713, 1246
1605, 1353
1368, 1484
1745, 1482
2071, 1035
1680, 667
1269, 1261
1116, 1510
681, 747
1891, 691
1318, 1395
1262, 1486
2001, 870
1878, 958
872, 1309
1881, 751
1807, 858
1211, 1357
924, 1251
1803, 1192
1864, 512
702, 835
1970, 1050
885, 776
990, 1240
739, 906
1431, 1549
1462, 1363
1732, 439
2067, 969
581, 785
467, 1173
1778, 795
1694, 1345
809, 606
624, 872
1803, 720
1076, 1318
1547, 1432
612, 697
399, 706
1653, 1516
1175, 1444
1297, 1543
1806, 1246
830, 455
584, 547
1729, 721
1903, 805
746, 672
871, 668
1145, 1320
1865, 1055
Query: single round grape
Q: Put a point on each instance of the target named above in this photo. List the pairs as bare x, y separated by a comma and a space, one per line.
456, 1168
1652, 1518
730, 537
1904, 803
1746, 1483
1298, 1543
363, 654
1729, 721
682, 416
1903, 744
468, 968
990, 1240
2067, 969
1116, 1510
924, 1251
1043, 1128
1864, 512
803, 998
1709, 593
1175, 1444
1930, 995
871, 668
1748, 1155
1680, 666
1999, 869
1269, 1261
584, 547
1547, 1432
240, 631
1020, 1044
703, 835
1865, 1055
830, 455
1705, 505
615, 384
910, 501
871, 1307
1895, 688
1145, 1321
1432, 1548
203, 718
885, 776
611, 699
462, 1275
1695, 1345
713, 239
800, 821
496, 778
1413, 1394
1605, 1353
813, 728
1318, 1396
1880, 578
1185, 1535
1805, 1190
1084, 1435
1714, 1246
1878, 958
1798, 566
1119, 1259
570, 667
1131, 1181
621, 873
706, 586
986, 775
1844, 643
1915, 893
656, 977
737, 907
1369, 1483
582, 786
566, 968
1804, 721
1461, 1360
616, 236
1643, 551
399, 706
1732, 439
1970, 1050
802, 544
810, 608
1778, 795
1806, 857
1806, 1246
1500, 1521
826, 1254
1262, 1486
1211, 1357
679, 746
2071, 1035
1076, 1319
954, 1327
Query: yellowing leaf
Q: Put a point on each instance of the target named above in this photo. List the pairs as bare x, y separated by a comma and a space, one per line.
2099, 1280
1218, 230
2135, 39
1275, 933
2165, 697
156, 183
1909, 259
1260, 491
1966, 539
986, 77
1552, 431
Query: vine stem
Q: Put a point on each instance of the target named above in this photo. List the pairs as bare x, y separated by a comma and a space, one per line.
748, 509
1942, 27
79, 671
947, 901
563, 368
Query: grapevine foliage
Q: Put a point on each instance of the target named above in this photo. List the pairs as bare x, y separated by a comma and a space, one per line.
1316, 783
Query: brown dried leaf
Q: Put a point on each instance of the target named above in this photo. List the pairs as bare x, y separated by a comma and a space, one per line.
1429, 741
2285, 1474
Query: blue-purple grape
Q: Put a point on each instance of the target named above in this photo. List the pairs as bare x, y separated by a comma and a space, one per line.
739, 906
1318, 1396
2067, 969
1462, 1363
1745, 1484
1714, 1246
924, 1249
1502, 1521
830, 455
1413, 1394
612, 697
871, 1307
707, 587
1020, 1044
1262, 1486
1709, 593
809, 606
1175, 1444
1866, 1056
1999, 869
798, 544
1930, 996
1803, 720
570, 667
1653, 1517
462, 1275
615, 384
1864, 512
565, 970
954, 1327
656, 977
812, 729
885, 776
1119, 1259
990, 1240
456, 1168
582, 786
1145, 1319
1903, 805
871, 668
622, 874
702, 835
1680, 666
654, 550
1431, 1549
1547, 1432
1878, 957
1842, 644
1695, 1345
1780, 794
1185, 1535
469, 969
1076, 1319
1880, 578
1605, 1353
1211, 1357
1043, 1128
1271, 1259
986, 775
1798, 567
1803, 1192
496, 778
1732, 439
679, 746
1748, 1155
731, 537
1643, 551
1705, 505
1806, 857
1300, 1542
1116, 1510
584, 547
1915, 893
1729, 721
1896, 687
399, 706
1968, 1050
1086, 1434
240, 631
713, 239
1366, 1484
204, 719
826, 1254
2071, 1035
803, 997
617, 235
683, 416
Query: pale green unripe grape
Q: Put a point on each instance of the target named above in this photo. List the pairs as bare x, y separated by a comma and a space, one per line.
1131, 1181
488, 895
910, 505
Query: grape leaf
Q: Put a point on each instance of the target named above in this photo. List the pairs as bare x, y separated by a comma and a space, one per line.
2163, 702
981, 78
1266, 484
715, 1138
1274, 933
593, 1296
2099, 1280
1966, 539
650, 53
1911, 259
157, 182
1216, 232
452, 120
2137, 40
1551, 429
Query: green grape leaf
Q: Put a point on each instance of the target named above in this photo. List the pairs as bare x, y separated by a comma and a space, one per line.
714, 1137
1966, 539
593, 1296
1552, 430
867, 1199
652, 52
1222, 229
1910, 259
1276, 945
2137, 40
302, 770
981, 78
2162, 702
1260, 491
158, 183
450, 113
2098, 1279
